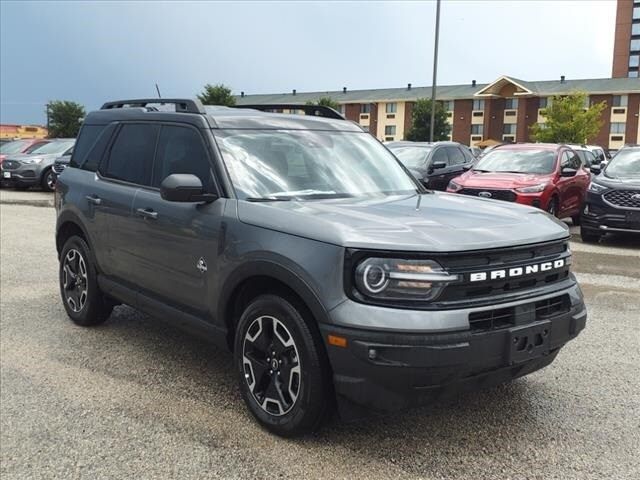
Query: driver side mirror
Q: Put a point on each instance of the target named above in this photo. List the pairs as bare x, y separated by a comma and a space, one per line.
568, 172
595, 169
438, 165
184, 187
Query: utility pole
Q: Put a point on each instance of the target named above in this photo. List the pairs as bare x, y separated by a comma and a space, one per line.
158, 90
435, 73
47, 110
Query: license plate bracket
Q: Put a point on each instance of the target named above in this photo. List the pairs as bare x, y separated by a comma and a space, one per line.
529, 342
6, 174
633, 219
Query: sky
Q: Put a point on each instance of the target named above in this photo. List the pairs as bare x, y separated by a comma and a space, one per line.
92, 52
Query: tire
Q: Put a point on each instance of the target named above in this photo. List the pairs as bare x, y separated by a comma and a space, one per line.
589, 236
48, 180
269, 324
576, 220
85, 304
552, 207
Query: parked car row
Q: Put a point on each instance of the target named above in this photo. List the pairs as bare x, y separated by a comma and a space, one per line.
27, 163
565, 180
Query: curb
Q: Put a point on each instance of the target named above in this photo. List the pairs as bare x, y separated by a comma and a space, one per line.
29, 203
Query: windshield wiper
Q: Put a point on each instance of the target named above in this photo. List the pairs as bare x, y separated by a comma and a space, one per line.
268, 199
480, 170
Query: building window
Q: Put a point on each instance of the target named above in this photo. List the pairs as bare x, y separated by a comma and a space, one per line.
391, 107
478, 105
636, 13
447, 105
509, 129
390, 129
635, 44
635, 29
634, 60
617, 127
619, 101
477, 129
633, 74
544, 102
365, 108
511, 104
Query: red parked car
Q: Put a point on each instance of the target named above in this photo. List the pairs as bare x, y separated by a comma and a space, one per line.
548, 176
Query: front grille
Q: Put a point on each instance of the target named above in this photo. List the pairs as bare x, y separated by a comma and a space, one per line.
519, 315
506, 195
59, 167
486, 261
10, 165
623, 198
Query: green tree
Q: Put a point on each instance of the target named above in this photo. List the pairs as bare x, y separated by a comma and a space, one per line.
326, 102
567, 120
64, 118
421, 122
217, 95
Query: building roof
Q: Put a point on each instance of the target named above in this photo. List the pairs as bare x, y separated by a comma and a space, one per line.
452, 92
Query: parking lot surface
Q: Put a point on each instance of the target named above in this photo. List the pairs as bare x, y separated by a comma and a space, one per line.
136, 398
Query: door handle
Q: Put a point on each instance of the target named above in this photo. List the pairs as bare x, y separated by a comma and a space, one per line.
147, 213
93, 199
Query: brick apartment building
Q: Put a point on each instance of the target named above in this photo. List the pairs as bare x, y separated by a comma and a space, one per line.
502, 110
626, 49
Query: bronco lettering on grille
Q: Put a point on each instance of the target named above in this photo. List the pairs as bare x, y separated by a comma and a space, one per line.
517, 271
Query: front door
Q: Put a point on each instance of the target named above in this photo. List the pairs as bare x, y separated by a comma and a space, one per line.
177, 254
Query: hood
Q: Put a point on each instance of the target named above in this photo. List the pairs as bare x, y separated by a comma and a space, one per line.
624, 182
431, 222
21, 156
474, 179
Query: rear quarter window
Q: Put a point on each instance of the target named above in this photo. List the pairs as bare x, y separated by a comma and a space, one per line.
86, 140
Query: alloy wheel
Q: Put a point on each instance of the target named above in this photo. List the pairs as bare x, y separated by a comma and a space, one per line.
271, 365
50, 180
75, 281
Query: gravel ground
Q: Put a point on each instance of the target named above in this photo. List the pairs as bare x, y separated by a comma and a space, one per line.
136, 398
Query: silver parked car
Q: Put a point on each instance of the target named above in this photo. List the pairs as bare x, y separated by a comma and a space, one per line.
28, 169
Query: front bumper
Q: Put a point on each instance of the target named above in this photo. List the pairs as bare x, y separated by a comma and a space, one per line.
28, 174
387, 371
600, 217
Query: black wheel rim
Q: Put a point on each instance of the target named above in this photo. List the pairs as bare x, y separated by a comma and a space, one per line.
74, 280
271, 365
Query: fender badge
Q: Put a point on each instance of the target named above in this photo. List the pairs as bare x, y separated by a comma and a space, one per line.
201, 265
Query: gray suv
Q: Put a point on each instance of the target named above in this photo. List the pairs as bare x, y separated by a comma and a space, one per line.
301, 244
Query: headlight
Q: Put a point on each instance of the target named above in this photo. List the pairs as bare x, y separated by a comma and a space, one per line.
596, 187
533, 189
31, 160
399, 279
453, 186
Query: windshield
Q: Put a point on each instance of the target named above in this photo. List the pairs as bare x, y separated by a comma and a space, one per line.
411, 156
54, 147
285, 164
14, 147
517, 161
626, 163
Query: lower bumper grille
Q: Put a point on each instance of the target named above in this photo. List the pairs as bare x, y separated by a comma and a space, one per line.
59, 168
519, 315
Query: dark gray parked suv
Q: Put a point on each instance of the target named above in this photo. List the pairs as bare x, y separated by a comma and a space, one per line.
304, 246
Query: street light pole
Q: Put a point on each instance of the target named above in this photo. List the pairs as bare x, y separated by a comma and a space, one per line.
435, 72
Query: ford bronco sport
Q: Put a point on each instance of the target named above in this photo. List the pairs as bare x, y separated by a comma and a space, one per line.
301, 244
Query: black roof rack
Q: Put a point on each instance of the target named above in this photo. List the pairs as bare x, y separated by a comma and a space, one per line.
314, 110
183, 105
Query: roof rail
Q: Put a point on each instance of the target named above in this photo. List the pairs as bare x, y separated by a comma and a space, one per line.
314, 110
183, 105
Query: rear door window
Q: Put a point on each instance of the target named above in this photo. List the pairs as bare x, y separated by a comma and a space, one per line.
131, 155
181, 150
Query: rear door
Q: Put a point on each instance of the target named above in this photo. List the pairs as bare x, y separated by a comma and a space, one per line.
458, 160
177, 253
571, 188
125, 168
